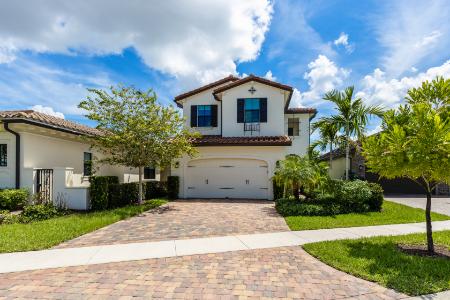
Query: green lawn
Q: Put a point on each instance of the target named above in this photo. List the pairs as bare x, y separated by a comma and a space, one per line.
377, 259
45, 234
392, 213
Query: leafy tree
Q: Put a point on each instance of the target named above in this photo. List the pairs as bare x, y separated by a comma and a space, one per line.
138, 132
297, 173
415, 142
351, 118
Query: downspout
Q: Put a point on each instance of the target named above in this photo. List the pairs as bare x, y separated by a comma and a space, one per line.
17, 135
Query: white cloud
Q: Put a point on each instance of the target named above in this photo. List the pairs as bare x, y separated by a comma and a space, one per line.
343, 40
47, 110
196, 41
413, 33
378, 89
270, 76
323, 75
376, 129
25, 83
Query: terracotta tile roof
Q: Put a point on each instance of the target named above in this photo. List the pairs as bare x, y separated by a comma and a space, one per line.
204, 88
301, 110
41, 119
249, 78
218, 140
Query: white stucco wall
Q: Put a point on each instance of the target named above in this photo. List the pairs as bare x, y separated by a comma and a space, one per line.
7, 174
275, 109
337, 170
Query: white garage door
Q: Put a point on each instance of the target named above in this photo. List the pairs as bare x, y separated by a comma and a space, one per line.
227, 178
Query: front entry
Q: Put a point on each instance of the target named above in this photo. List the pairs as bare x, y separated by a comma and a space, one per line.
227, 178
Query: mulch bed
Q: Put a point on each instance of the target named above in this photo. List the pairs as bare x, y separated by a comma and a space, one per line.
421, 250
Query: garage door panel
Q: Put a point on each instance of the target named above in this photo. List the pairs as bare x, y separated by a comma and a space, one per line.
222, 178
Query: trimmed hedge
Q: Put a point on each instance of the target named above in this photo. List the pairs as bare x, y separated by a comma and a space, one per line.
155, 189
173, 186
12, 199
277, 190
341, 197
99, 191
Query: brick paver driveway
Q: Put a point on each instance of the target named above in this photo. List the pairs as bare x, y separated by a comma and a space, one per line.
189, 219
287, 272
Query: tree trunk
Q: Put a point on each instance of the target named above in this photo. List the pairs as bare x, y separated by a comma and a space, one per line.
347, 159
140, 186
430, 243
295, 191
331, 157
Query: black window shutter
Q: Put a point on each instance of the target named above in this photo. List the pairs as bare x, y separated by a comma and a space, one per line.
193, 115
240, 110
263, 110
214, 115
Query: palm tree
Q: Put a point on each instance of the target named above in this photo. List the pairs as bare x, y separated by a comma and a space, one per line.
295, 172
328, 135
351, 118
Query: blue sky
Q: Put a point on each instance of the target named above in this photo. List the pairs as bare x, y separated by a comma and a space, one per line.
58, 49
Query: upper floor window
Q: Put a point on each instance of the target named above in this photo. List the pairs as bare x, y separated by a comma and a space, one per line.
149, 173
87, 164
252, 110
3, 155
293, 127
204, 116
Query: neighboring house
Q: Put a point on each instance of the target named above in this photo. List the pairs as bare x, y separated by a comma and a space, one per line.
358, 170
49, 156
247, 126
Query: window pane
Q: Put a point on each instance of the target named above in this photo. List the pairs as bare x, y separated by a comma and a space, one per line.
251, 110
204, 115
87, 164
3, 155
149, 173
293, 126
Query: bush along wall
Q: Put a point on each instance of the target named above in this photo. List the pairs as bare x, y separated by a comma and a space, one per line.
12, 199
99, 191
277, 190
173, 187
155, 189
340, 197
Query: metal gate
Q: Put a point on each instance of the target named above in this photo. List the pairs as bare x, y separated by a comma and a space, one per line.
44, 184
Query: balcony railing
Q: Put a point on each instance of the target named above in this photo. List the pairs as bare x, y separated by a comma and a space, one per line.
251, 127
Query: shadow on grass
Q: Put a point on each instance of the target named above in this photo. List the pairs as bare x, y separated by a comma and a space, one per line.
384, 263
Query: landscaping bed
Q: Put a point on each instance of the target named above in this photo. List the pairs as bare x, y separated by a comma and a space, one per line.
380, 260
43, 234
391, 213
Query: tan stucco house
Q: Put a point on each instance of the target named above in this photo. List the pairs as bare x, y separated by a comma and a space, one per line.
49, 155
247, 126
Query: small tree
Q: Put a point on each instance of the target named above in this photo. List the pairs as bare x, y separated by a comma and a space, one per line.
295, 172
415, 142
138, 132
328, 136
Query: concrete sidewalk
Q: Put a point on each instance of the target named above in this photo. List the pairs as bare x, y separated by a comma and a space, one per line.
55, 258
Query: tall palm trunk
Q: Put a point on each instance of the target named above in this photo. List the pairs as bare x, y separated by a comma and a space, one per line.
347, 153
331, 157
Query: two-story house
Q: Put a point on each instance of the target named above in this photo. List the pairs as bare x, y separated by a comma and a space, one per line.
246, 126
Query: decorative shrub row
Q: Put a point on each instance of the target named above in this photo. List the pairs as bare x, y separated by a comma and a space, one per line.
341, 197
107, 192
99, 191
13, 199
173, 186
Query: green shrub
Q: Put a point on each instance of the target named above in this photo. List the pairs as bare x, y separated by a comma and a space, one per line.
277, 190
353, 196
99, 190
39, 212
131, 192
13, 199
173, 186
116, 197
155, 189
376, 200
292, 207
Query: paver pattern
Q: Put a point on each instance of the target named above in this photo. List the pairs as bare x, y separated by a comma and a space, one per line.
286, 272
184, 219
